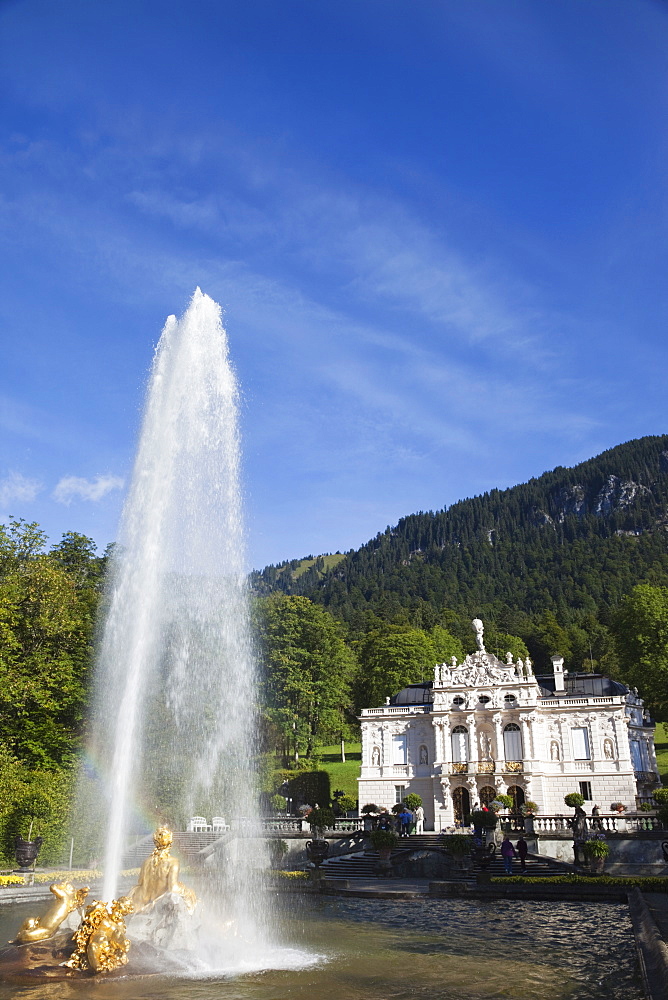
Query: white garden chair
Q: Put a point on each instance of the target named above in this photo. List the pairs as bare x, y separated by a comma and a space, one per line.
198, 824
219, 825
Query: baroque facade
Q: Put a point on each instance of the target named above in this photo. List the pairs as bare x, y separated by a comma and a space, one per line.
485, 727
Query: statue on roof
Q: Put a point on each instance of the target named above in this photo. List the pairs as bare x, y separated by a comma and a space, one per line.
478, 628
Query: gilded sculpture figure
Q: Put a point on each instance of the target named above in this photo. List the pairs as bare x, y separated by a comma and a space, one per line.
101, 944
67, 900
159, 874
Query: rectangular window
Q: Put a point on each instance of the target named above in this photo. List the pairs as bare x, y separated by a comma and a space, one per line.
636, 756
399, 746
585, 790
399, 793
580, 740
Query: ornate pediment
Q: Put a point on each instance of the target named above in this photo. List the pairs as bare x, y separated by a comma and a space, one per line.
479, 669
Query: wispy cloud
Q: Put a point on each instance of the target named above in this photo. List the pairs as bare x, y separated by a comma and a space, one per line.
17, 487
73, 487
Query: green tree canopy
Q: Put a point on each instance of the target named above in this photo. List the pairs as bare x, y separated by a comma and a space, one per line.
390, 659
641, 633
45, 649
308, 670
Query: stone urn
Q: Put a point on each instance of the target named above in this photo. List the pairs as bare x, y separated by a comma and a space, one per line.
26, 851
483, 855
317, 851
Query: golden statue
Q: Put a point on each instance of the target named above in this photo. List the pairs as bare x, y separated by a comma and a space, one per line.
160, 874
39, 928
101, 944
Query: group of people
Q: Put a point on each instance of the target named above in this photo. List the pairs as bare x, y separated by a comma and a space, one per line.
403, 823
508, 852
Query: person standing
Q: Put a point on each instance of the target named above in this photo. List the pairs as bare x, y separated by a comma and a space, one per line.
419, 820
405, 820
522, 850
508, 852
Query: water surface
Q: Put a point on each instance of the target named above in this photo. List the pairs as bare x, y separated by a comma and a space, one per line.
356, 949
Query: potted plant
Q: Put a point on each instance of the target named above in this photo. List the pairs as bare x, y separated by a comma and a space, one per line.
502, 802
33, 806
384, 841
483, 820
459, 845
596, 851
319, 820
529, 810
574, 799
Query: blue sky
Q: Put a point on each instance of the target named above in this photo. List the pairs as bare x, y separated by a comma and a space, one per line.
436, 227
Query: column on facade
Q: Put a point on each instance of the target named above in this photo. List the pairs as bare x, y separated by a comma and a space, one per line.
473, 741
527, 740
566, 749
621, 728
447, 745
498, 730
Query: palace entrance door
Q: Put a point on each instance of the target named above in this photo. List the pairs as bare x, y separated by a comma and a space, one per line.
462, 803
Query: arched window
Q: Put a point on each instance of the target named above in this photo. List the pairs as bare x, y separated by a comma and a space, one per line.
512, 742
460, 744
487, 795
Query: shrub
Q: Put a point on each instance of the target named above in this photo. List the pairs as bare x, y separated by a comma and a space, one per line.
278, 803
383, 838
503, 802
310, 786
413, 800
369, 808
661, 796
645, 807
346, 803
458, 844
529, 808
487, 820
574, 799
596, 848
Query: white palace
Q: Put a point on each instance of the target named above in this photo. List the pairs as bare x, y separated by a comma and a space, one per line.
484, 726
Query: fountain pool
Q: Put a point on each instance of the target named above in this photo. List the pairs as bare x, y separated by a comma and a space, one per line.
396, 950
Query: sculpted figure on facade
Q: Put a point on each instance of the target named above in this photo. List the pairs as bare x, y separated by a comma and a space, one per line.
478, 628
608, 749
485, 746
375, 757
555, 753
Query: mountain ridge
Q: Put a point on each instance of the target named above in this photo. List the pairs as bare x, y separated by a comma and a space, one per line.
572, 540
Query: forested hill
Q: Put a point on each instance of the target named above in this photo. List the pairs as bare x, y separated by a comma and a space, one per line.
572, 541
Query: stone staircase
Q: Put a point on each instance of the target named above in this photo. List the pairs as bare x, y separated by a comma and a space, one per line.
362, 864
185, 846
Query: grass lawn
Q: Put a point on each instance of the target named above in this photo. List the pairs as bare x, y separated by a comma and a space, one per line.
661, 744
342, 775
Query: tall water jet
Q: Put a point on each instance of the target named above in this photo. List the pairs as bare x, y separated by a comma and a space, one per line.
173, 731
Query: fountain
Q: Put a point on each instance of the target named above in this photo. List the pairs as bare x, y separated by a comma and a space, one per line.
173, 724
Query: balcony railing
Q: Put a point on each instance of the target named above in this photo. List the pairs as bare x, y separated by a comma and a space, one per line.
648, 777
486, 766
